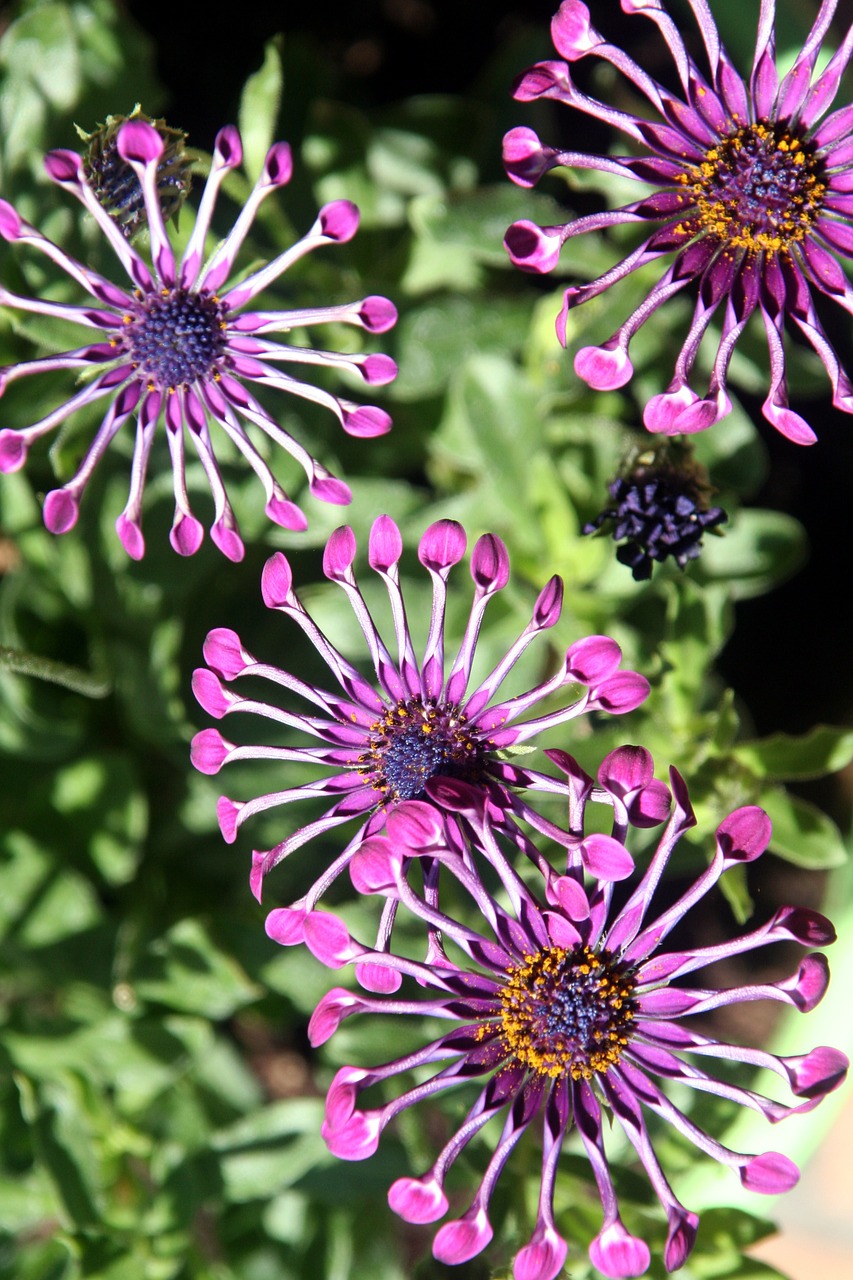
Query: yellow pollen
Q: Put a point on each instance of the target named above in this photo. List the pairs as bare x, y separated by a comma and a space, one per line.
567, 1012
758, 190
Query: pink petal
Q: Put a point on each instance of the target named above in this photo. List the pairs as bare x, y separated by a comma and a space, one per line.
329, 940
377, 314
277, 582
286, 925
140, 141
339, 220
209, 751
593, 659
60, 511
490, 563
417, 1200
770, 1174
386, 544
603, 368
339, 553
605, 858
442, 546
223, 651
619, 1254
542, 1258
744, 834
458, 1241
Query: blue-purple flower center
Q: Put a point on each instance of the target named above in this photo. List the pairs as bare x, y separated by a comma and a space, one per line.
175, 337
415, 741
567, 1011
758, 189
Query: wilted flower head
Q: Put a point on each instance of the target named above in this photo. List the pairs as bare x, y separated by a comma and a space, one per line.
567, 1013
114, 181
660, 509
393, 740
182, 343
753, 191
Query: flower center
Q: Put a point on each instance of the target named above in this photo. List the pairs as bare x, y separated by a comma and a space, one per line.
567, 1012
175, 337
758, 189
415, 741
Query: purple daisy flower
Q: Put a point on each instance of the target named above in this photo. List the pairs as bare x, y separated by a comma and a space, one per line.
181, 343
392, 740
753, 196
566, 1011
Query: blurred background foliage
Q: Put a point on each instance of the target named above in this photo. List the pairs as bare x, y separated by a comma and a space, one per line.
159, 1104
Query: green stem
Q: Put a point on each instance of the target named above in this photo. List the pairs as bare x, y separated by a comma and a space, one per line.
29, 664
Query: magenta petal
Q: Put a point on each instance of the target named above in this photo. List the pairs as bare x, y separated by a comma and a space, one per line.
13, 449
60, 511
533, 248
339, 220
593, 659
278, 166
442, 546
618, 1254
571, 896
416, 825
626, 769
605, 858
357, 1139
549, 604
137, 140
329, 940
287, 514
458, 1241
744, 834
228, 541
651, 806
817, 1073
379, 978
329, 489
229, 146
375, 867
286, 925
378, 314
10, 223
770, 1174
227, 813
129, 533
378, 369
542, 1258
603, 368
366, 421
63, 166
210, 694
335, 1005
622, 693
187, 535
209, 751
490, 563
339, 553
223, 651
386, 544
572, 32
808, 986
417, 1200
277, 582
681, 1239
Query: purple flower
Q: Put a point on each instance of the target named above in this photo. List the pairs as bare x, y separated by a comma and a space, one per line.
179, 342
566, 1013
659, 509
753, 192
394, 740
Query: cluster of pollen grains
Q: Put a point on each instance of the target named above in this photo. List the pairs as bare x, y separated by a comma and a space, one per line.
758, 189
175, 337
567, 1012
415, 741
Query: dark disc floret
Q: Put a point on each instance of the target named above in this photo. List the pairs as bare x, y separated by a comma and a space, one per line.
659, 510
176, 337
114, 182
415, 741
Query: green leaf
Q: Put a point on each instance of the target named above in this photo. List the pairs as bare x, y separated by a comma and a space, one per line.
783, 757
802, 833
185, 970
759, 550
259, 107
